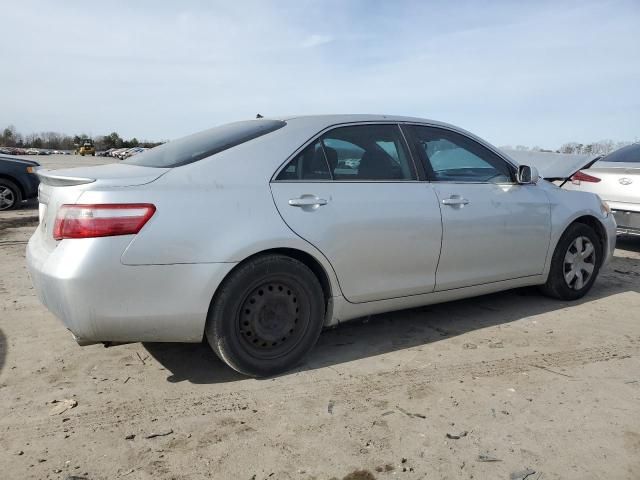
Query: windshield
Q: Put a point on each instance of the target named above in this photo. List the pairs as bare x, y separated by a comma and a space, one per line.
628, 154
204, 144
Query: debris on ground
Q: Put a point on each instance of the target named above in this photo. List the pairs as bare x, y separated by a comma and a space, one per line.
330, 406
409, 414
131, 436
457, 436
141, 359
63, 405
162, 433
470, 346
522, 474
486, 457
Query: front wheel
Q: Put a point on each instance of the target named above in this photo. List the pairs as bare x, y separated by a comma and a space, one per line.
575, 264
266, 316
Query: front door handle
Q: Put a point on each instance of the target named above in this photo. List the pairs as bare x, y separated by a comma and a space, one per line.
307, 201
455, 200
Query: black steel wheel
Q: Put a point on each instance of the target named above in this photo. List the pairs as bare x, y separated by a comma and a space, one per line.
266, 315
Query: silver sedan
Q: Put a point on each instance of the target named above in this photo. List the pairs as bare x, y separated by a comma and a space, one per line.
258, 234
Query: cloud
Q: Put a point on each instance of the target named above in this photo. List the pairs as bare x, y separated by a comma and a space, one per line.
316, 40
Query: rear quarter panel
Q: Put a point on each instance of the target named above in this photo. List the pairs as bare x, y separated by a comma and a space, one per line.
217, 210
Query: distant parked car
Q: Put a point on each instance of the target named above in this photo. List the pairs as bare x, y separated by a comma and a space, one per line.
616, 179
33, 151
254, 236
116, 153
131, 152
18, 181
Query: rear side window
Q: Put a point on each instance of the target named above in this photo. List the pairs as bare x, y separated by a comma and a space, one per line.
368, 152
310, 164
628, 154
204, 144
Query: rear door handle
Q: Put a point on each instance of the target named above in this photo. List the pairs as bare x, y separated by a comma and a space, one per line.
307, 201
455, 200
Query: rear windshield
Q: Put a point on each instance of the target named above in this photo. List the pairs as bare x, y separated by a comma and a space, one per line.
628, 154
204, 144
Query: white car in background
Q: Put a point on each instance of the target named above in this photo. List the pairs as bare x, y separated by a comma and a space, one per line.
616, 179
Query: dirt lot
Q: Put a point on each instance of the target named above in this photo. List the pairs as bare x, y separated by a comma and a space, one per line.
526, 381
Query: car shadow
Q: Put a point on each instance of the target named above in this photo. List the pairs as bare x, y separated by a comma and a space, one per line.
194, 362
388, 332
629, 242
30, 204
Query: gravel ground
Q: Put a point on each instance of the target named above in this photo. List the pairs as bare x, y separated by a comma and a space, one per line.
534, 384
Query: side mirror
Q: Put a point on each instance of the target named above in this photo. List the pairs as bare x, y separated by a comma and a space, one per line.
527, 175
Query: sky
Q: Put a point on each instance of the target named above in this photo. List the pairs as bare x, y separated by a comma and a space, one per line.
538, 73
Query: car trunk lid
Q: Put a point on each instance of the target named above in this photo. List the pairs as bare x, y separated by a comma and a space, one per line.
60, 187
619, 182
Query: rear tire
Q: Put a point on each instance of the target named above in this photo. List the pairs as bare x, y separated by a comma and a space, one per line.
10, 195
575, 263
266, 316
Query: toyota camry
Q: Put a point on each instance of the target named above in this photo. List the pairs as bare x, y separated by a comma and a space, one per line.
257, 234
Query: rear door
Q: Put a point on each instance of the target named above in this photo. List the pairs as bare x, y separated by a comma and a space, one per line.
493, 228
354, 194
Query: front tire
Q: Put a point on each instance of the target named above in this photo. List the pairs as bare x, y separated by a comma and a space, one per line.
266, 316
575, 263
10, 195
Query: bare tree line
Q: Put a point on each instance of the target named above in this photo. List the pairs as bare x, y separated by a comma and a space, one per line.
602, 147
59, 141
10, 137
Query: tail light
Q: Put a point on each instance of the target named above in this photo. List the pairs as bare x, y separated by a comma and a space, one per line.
103, 220
583, 177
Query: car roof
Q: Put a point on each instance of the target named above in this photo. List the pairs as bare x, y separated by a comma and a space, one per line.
334, 119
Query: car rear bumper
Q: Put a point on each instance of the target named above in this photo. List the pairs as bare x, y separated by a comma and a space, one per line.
628, 221
84, 284
610, 227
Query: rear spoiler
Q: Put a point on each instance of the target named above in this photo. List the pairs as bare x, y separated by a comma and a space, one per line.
566, 179
48, 177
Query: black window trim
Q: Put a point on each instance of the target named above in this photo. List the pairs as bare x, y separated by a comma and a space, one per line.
430, 176
416, 170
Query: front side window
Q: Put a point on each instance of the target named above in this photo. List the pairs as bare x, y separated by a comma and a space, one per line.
367, 152
452, 157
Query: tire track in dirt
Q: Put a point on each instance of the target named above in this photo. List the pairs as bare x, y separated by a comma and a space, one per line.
247, 400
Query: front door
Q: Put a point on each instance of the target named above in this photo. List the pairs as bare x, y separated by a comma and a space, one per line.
493, 228
353, 194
